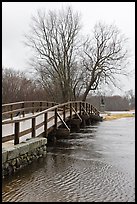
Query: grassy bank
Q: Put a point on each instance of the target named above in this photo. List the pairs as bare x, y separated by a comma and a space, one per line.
117, 116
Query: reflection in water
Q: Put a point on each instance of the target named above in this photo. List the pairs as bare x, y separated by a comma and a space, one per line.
95, 165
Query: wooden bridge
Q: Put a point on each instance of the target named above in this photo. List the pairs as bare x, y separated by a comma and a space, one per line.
23, 120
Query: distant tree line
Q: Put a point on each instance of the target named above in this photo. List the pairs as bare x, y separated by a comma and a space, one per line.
114, 103
16, 86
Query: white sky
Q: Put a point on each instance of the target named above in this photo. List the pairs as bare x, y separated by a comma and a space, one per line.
16, 17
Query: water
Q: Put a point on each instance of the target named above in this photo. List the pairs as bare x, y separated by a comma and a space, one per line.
95, 165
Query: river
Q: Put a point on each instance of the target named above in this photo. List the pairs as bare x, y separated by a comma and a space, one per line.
96, 164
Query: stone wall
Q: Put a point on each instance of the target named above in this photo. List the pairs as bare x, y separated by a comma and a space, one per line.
20, 155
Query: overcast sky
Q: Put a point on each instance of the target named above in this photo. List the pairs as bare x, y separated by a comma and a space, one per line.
16, 17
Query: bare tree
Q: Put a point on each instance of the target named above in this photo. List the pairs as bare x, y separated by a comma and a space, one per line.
104, 56
54, 40
65, 71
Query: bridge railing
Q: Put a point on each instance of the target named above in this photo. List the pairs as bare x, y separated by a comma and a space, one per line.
51, 119
11, 110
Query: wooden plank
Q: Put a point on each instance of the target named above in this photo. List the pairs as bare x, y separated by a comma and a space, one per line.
33, 127
23, 109
25, 132
85, 111
45, 124
63, 121
51, 118
11, 137
76, 113
16, 139
8, 138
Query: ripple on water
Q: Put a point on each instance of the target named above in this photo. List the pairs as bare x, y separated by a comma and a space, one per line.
77, 181
95, 165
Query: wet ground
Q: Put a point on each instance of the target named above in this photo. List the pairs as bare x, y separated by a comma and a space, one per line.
95, 165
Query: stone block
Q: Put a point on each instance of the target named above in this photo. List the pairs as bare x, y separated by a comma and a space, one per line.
36, 142
23, 148
4, 156
12, 153
44, 141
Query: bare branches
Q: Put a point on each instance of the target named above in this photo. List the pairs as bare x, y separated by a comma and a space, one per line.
104, 56
63, 61
53, 37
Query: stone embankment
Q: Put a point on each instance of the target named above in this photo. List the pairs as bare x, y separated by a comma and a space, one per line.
15, 157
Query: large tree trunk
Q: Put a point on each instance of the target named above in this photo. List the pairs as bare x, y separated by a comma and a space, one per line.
88, 89
86, 93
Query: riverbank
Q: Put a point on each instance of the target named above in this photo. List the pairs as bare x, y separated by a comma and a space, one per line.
112, 115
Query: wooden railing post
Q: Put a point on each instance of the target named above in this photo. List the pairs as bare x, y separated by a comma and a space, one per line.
45, 124
16, 138
56, 115
33, 127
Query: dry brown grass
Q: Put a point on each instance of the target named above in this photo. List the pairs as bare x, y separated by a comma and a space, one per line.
117, 116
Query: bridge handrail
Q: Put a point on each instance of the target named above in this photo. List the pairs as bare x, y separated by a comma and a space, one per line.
11, 108
47, 110
68, 107
20, 102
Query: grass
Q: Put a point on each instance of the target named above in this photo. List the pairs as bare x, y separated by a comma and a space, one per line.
117, 116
